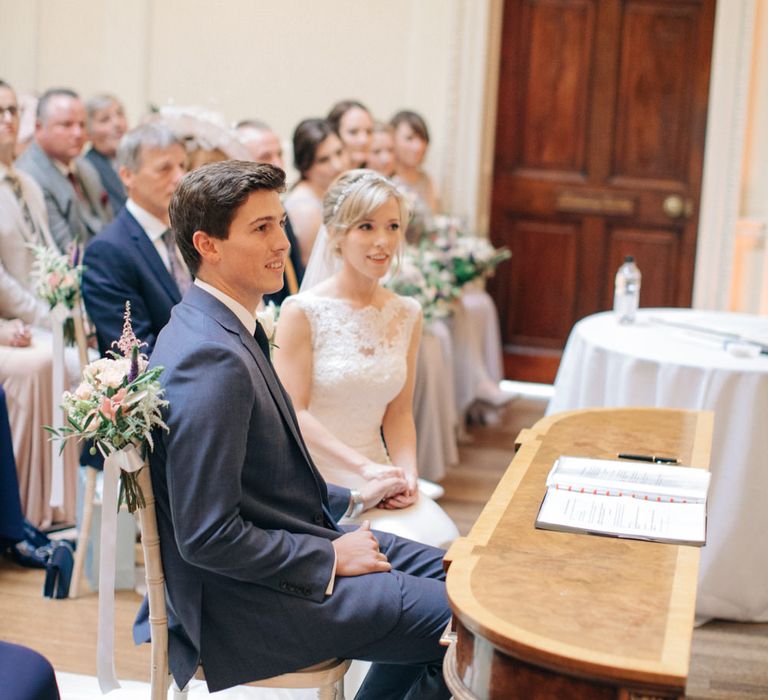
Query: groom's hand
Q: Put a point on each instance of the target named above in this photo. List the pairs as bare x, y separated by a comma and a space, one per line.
358, 553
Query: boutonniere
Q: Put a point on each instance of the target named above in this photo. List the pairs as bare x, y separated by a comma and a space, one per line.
268, 317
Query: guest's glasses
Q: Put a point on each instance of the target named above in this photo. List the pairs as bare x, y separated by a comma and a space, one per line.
10, 110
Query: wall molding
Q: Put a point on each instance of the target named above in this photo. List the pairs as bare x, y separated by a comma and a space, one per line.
724, 153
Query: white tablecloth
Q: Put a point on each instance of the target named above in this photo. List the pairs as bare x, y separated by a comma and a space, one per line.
650, 364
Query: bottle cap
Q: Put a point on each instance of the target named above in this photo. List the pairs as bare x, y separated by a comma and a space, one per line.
629, 259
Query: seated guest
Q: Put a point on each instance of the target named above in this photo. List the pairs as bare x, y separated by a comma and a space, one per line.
23, 223
475, 324
26, 369
135, 258
260, 578
381, 156
353, 124
411, 139
18, 537
261, 141
106, 126
318, 155
78, 206
264, 147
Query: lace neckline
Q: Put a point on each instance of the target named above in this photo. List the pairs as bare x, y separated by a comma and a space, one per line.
351, 306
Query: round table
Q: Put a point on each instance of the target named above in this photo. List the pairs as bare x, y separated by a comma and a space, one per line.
657, 362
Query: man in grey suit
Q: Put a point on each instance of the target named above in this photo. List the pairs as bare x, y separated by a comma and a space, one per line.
260, 578
77, 204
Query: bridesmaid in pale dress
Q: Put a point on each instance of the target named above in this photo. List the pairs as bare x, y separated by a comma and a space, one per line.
353, 123
477, 357
319, 156
381, 155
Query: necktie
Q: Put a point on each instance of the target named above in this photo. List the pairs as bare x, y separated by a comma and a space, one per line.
76, 186
262, 340
32, 234
177, 269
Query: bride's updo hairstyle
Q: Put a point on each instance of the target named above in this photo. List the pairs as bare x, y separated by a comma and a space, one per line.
355, 195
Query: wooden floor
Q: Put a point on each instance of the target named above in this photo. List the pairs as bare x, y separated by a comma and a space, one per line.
729, 662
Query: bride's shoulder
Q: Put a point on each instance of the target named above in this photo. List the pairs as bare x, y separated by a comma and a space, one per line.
407, 304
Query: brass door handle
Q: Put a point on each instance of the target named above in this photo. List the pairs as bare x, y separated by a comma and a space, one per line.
675, 206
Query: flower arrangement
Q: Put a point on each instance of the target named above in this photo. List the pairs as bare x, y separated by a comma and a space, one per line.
268, 317
467, 257
57, 280
117, 405
417, 276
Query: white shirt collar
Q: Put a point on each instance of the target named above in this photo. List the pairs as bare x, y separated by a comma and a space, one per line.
65, 170
153, 227
247, 318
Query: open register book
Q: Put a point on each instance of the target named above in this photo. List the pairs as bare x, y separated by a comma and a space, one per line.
637, 500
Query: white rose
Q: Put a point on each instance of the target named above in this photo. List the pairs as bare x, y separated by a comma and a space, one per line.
267, 321
83, 391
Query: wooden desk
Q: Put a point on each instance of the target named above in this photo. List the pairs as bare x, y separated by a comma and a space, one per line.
553, 615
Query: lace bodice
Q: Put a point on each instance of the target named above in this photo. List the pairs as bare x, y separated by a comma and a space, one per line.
359, 366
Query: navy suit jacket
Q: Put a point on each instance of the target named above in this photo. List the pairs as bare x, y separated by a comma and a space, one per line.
121, 264
246, 521
109, 179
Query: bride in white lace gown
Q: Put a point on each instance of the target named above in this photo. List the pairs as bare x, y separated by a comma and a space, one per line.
346, 353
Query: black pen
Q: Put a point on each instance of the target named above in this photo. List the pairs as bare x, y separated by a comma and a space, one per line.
647, 458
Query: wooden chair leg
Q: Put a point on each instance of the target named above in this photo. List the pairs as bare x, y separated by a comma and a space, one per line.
85, 529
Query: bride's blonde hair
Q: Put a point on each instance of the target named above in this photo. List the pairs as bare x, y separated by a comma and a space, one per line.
355, 195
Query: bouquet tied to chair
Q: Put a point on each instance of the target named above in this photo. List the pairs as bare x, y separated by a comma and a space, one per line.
116, 406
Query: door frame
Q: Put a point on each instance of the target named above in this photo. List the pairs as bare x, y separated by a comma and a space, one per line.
723, 151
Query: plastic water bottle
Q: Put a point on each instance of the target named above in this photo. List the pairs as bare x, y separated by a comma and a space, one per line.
626, 296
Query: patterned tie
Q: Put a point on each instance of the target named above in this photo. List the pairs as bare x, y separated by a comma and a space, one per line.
262, 340
32, 234
76, 186
175, 267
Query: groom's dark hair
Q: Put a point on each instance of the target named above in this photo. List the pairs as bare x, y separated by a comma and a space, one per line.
208, 198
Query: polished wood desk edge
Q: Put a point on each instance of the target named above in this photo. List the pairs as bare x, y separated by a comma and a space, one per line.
670, 670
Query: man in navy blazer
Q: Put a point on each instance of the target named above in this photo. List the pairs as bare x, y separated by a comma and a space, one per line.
260, 578
134, 258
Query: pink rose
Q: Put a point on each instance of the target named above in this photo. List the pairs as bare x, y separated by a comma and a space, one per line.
109, 406
53, 279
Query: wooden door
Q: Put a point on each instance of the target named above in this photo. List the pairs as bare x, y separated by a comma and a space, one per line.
599, 150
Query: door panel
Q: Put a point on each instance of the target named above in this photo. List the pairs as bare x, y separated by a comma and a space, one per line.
554, 104
655, 91
599, 149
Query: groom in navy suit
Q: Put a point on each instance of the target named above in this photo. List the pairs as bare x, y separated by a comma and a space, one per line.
260, 578
135, 258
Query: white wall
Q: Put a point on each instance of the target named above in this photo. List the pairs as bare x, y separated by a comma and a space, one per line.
283, 60
280, 61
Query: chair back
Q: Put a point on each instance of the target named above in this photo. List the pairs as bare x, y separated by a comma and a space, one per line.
158, 618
